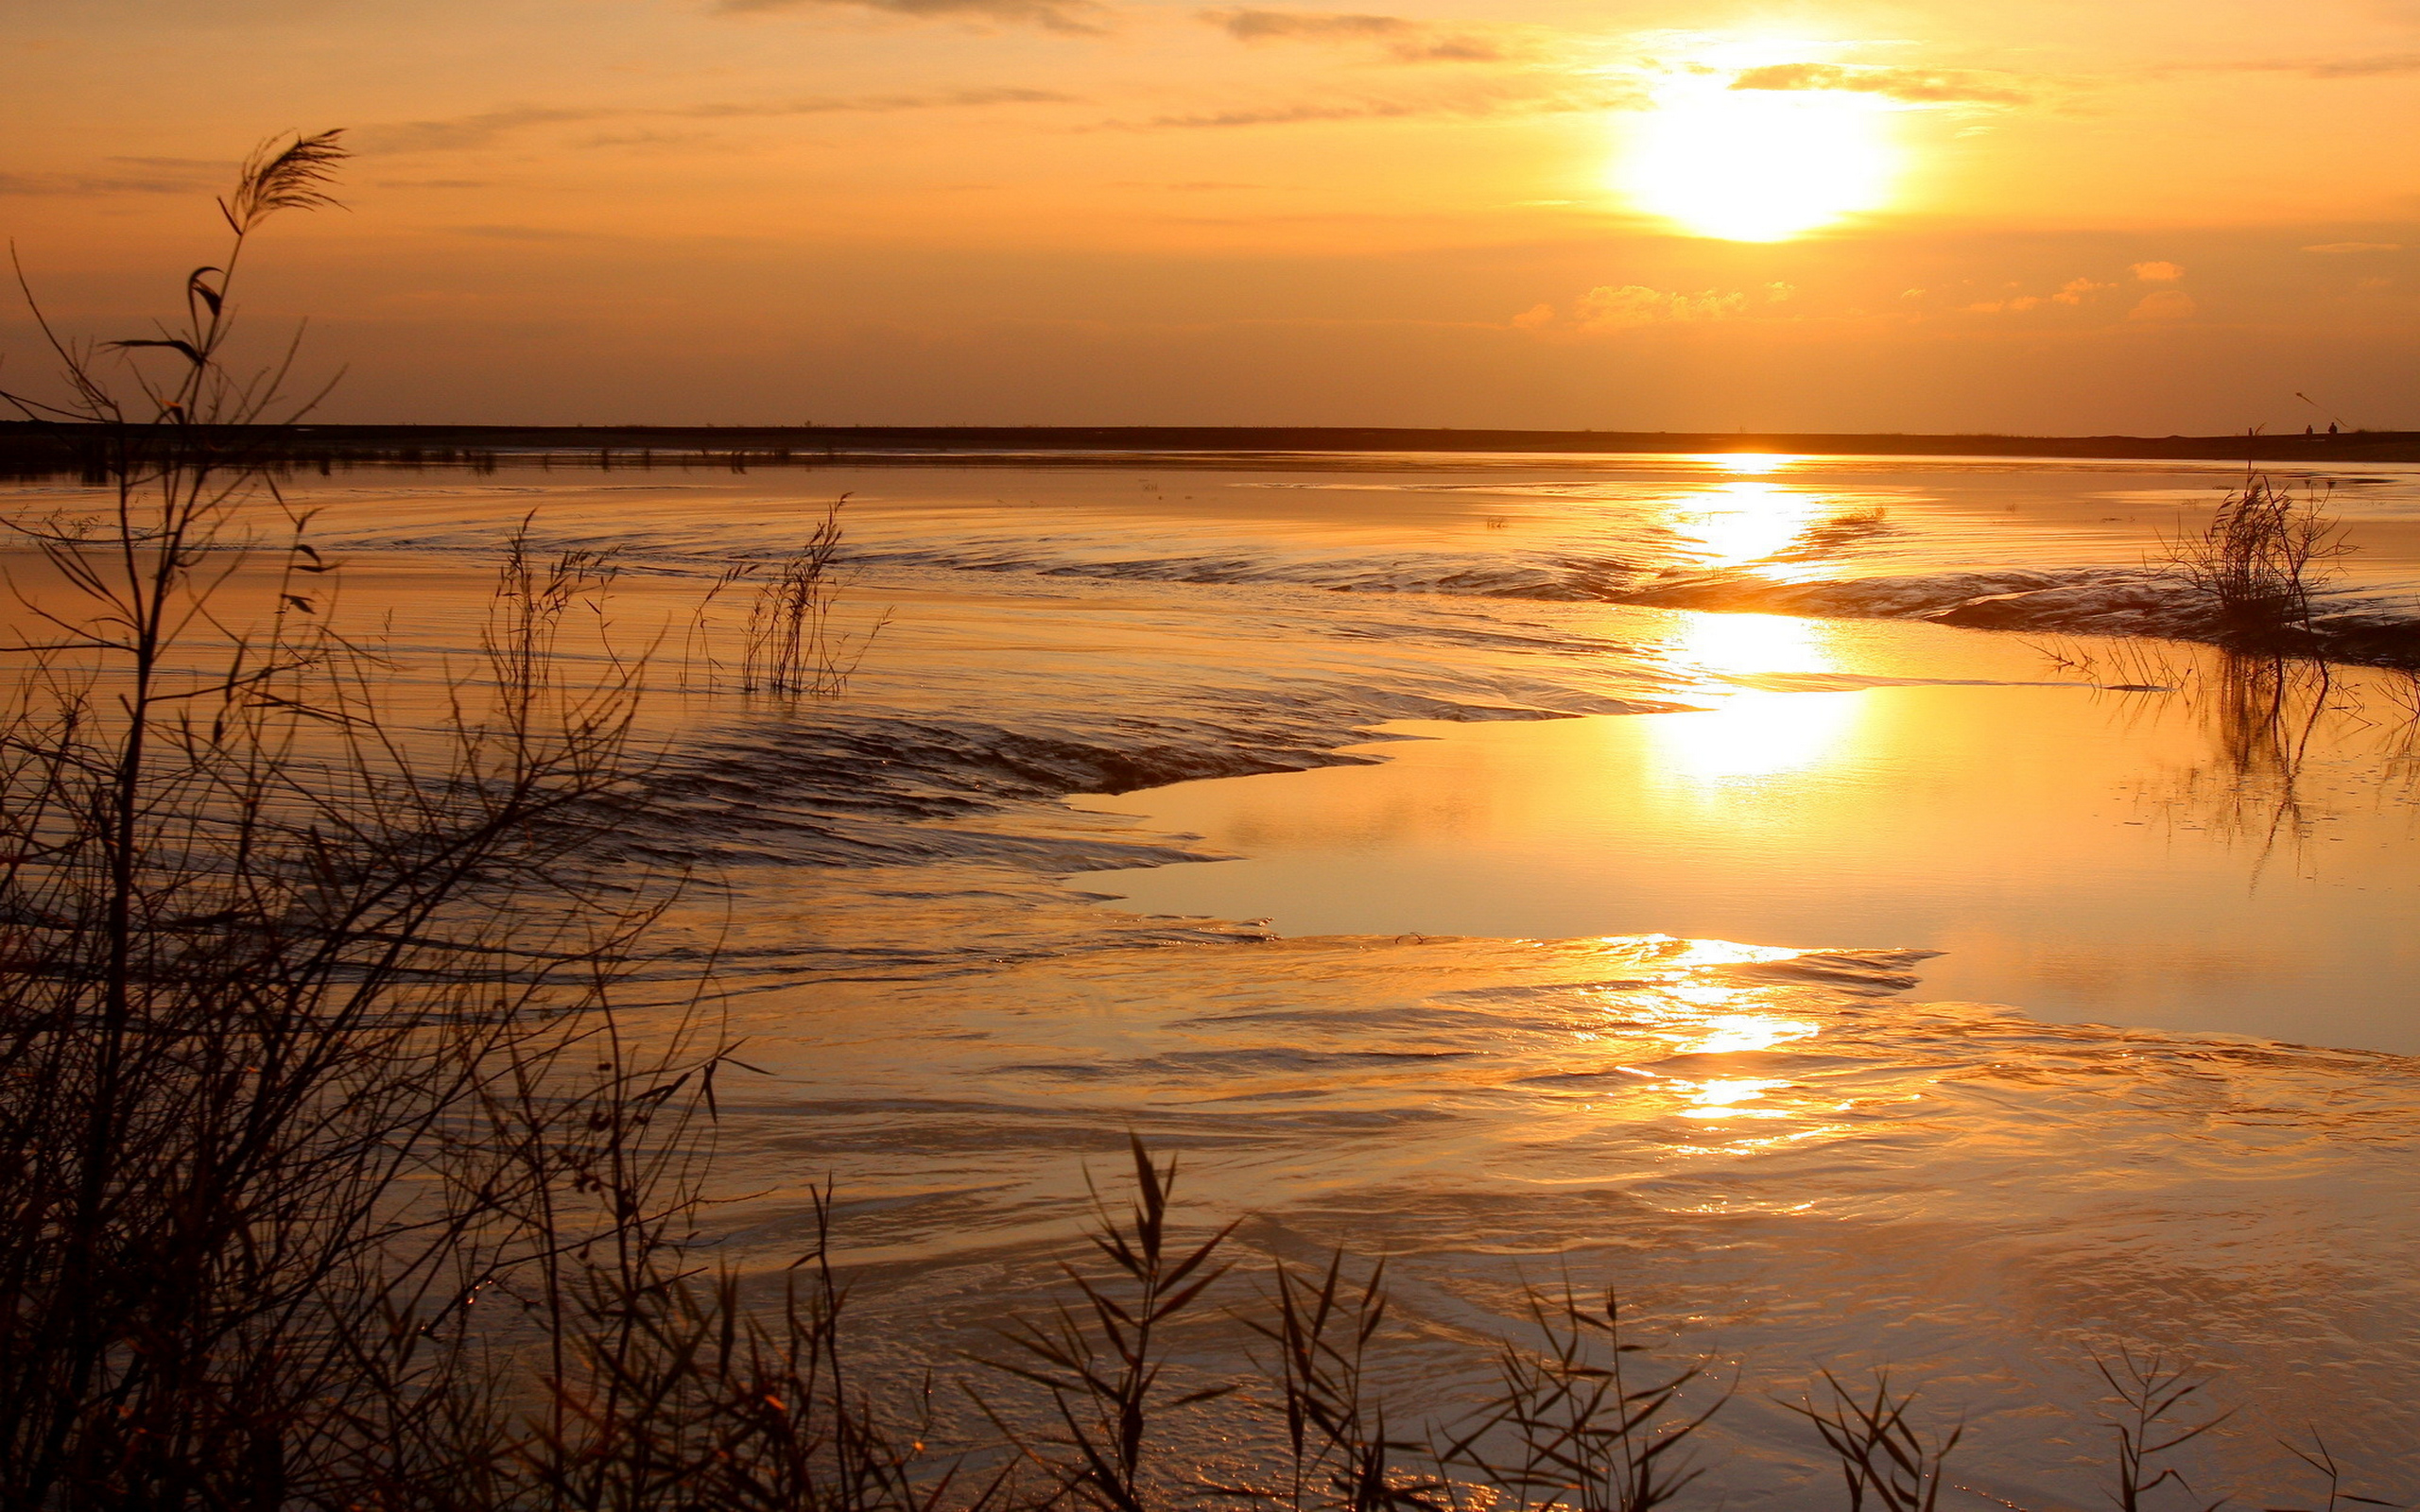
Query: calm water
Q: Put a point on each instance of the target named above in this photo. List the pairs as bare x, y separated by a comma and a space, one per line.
1685, 1037
2200, 855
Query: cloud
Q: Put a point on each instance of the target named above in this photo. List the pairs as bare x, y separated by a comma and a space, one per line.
2356, 246
1289, 115
1914, 86
2075, 291
1077, 16
2155, 273
2378, 67
73, 184
1534, 316
525, 234
212, 167
1480, 100
1405, 41
470, 132
2164, 304
1631, 305
154, 175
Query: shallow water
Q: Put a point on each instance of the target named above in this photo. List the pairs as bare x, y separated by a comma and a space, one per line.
1742, 1108
2122, 857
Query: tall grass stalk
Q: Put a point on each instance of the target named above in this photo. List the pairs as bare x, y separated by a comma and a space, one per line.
1590, 1431
315, 1105
2152, 1399
2259, 562
791, 646
1340, 1456
1101, 1361
1883, 1457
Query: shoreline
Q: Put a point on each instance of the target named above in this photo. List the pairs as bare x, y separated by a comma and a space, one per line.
25, 445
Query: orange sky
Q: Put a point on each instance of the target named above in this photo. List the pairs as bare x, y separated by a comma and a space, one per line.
2063, 217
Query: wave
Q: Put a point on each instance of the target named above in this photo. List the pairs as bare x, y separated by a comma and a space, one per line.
2350, 626
1830, 553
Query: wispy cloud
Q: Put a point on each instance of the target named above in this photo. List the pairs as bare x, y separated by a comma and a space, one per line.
150, 176
1408, 42
1914, 86
2075, 291
464, 133
1082, 16
1628, 306
2375, 65
2356, 246
525, 234
73, 184
2380, 66
1493, 99
1289, 115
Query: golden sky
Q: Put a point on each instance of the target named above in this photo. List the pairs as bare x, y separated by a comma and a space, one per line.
1941, 214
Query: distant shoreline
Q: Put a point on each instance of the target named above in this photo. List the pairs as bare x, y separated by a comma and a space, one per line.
814, 443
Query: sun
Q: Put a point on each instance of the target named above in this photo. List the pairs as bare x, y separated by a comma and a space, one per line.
1758, 166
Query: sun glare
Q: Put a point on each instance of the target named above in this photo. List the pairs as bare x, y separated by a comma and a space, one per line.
1758, 166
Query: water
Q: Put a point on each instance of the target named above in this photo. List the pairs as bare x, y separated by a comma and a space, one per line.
1657, 1056
2128, 857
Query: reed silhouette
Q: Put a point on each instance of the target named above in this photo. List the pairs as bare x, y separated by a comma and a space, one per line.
2258, 564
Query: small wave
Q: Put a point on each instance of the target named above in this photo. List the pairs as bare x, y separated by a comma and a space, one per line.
2377, 628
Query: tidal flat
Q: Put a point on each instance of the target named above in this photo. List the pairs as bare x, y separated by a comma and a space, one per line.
1848, 985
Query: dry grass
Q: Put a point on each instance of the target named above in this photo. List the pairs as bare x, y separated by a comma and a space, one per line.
790, 643
312, 1081
1883, 1457
2259, 562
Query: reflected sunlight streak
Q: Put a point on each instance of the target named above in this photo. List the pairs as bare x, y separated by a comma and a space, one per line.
1735, 1032
1749, 521
1755, 734
1741, 645
1749, 461
1720, 1099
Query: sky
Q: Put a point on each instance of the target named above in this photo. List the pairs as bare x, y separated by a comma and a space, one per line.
1928, 215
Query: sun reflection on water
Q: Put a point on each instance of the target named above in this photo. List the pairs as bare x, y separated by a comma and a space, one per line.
1752, 733
1731, 1033
1749, 461
1707, 1016
1749, 520
1721, 1099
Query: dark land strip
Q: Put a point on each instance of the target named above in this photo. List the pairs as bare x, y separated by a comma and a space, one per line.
35, 449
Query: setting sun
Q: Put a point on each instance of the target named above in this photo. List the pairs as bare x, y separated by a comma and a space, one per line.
1758, 166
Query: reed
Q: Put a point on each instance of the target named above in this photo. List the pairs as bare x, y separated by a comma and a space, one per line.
311, 1056
1590, 1429
1883, 1457
2259, 561
1101, 1361
789, 643
1340, 1456
2152, 1399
